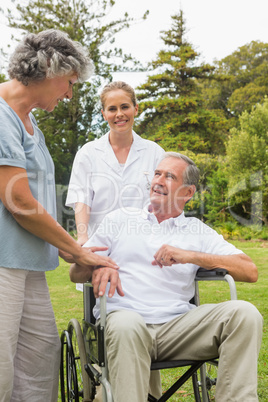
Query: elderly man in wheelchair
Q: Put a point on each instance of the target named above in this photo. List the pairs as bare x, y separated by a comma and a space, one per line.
149, 316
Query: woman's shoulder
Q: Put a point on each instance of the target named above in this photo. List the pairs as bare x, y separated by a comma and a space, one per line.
7, 113
97, 143
89, 153
12, 127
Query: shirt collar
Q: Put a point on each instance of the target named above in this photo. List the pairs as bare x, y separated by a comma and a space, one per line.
104, 143
177, 221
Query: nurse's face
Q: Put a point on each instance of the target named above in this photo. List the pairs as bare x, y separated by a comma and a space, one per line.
119, 111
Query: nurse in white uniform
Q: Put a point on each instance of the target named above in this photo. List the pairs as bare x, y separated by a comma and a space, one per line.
114, 171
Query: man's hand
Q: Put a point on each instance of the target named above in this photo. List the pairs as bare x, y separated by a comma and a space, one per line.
240, 266
100, 279
168, 255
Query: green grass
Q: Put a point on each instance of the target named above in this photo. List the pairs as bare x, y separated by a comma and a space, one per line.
68, 303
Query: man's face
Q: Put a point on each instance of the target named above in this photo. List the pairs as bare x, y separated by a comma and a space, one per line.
168, 194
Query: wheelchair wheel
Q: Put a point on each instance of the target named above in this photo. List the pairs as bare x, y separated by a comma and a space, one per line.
196, 387
75, 382
204, 382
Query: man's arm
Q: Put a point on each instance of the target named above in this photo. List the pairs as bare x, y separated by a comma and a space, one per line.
80, 273
240, 266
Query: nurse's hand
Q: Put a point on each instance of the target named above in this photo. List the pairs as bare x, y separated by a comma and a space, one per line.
100, 279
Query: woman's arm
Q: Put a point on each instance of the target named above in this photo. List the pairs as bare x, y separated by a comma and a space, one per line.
16, 196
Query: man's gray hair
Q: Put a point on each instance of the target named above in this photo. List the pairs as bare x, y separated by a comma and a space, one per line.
191, 173
49, 54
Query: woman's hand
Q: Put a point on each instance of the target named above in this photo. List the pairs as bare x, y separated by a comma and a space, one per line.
66, 256
87, 257
70, 259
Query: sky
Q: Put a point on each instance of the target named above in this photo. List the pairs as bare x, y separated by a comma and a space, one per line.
216, 28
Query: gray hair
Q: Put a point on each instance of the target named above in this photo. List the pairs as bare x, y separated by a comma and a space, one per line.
49, 54
112, 86
191, 173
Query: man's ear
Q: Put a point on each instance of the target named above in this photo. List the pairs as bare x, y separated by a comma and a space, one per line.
190, 192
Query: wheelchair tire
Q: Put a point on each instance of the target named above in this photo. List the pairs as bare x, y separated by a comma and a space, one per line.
204, 384
75, 382
68, 378
196, 387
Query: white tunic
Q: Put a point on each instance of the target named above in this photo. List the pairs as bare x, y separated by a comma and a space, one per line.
99, 181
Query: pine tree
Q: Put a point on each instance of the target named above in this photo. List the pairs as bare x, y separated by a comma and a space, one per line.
75, 122
171, 106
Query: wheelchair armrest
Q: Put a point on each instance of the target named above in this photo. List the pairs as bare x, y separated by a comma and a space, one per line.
217, 274
205, 273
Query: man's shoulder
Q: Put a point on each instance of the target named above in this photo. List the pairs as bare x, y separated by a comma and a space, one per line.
196, 225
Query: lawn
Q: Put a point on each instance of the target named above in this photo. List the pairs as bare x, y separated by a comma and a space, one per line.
68, 303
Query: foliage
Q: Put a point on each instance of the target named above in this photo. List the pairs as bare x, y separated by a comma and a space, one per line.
2, 78
233, 230
242, 80
68, 127
172, 110
216, 197
247, 167
207, 165
73, 123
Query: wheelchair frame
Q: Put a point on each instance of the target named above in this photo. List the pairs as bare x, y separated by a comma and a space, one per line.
83, 353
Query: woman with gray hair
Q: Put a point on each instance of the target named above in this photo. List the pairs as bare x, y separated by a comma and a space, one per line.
42, 70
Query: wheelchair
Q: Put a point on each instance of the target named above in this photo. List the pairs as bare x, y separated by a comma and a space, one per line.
83, 354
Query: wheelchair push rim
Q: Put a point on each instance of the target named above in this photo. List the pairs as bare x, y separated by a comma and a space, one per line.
75, 383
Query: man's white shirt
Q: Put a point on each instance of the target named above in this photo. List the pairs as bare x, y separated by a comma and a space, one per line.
133, 236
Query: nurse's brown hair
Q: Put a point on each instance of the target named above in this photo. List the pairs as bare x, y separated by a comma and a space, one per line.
113, 86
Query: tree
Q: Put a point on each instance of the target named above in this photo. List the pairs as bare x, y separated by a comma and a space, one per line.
2, 78
172, 110
208, 201
244, 80
76, 122
216, 197
247, 167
